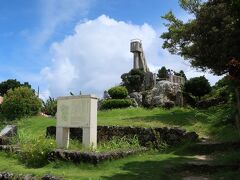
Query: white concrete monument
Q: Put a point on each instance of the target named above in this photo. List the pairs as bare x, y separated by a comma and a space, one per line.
75, 112
139, 60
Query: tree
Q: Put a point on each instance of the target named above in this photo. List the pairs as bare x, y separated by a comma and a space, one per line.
198, 86
50, 106
180, 73
20, 102
11, 84
210, 41
133, 80
162, 73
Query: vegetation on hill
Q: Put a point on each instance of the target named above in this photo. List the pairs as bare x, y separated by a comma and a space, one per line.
20, 102
11, 84
133, 80
198, 86
118, 99
210, 40
49, 107
212, 123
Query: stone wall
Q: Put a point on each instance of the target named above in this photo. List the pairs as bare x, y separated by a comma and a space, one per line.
91, 157
11, 176
146, 136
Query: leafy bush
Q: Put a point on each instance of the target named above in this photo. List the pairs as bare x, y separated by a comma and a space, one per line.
19, 103
133, 80
35, 150
162, 73
198, 86
118, 92
50, 107
189, 99
116, 103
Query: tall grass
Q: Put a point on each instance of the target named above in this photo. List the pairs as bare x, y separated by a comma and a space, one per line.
116, 143
34, 150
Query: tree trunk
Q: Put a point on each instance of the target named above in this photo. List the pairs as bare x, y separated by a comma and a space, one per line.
238, 107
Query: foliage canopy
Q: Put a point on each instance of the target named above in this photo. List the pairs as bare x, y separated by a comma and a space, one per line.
11, 84
20, 102
209, 40
198, 86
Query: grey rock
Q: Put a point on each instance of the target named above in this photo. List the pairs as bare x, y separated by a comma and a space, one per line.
137, 97
106, 95
164, 94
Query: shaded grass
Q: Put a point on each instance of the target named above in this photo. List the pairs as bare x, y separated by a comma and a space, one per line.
144, 166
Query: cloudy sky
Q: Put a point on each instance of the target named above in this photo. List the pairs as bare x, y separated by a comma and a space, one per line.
82, 45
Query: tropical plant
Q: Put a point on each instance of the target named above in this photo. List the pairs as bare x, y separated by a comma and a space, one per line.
20, 102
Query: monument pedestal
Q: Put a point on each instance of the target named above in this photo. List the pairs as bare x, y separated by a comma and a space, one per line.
90, 137
75, 112
62, 137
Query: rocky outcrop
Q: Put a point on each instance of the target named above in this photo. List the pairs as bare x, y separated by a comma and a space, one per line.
164, 94
137, 98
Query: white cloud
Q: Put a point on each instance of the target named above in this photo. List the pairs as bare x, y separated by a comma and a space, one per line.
54, 13
93, 58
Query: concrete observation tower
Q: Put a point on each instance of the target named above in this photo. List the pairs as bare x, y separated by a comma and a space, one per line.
139, 61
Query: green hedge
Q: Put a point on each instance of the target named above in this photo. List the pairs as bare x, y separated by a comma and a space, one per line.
116, 103
118, 92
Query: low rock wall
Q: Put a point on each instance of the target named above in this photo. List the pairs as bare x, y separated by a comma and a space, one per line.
91, 157
11, 176
171, 136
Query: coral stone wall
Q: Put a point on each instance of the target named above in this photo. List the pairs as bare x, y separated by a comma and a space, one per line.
171, 136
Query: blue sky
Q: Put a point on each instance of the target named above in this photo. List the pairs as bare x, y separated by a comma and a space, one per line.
56, 44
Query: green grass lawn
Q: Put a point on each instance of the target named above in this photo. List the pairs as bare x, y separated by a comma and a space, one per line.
150, 165
207, 123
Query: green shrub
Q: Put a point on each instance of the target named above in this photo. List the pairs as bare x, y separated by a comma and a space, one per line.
162, 73
19, 103
133, 80
118, 92
35, 150
50, 107
198, 86
115, 103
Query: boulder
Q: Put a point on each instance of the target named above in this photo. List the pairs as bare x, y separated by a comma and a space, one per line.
8, 131
164, 94
137, 96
